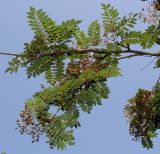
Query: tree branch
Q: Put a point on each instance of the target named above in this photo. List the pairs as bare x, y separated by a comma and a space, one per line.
9, 54
98, 51
129, 56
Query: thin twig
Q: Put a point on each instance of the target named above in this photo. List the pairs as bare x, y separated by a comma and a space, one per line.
129, 56
148, 64
9, 54
154, 88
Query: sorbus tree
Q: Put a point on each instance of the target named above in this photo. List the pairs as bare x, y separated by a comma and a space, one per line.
77, 65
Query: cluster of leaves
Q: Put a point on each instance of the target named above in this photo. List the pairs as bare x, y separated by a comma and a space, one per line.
143, 113
83, 88
53, 44
119, 33
77, 82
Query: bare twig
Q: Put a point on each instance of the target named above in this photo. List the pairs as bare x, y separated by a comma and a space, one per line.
9, 54
148, 64
129, 56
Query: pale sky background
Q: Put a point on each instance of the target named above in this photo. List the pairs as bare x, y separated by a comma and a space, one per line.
105, 130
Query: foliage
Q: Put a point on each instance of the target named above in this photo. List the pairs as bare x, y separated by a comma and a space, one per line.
76, 66
144, 115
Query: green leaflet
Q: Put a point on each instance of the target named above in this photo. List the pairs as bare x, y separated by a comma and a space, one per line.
147, 143
13, 67
132, 37
94, 33
113, 23
146, 39
47, 28
82, 40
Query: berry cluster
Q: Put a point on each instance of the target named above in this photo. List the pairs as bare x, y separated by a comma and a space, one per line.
27, 125
77, 68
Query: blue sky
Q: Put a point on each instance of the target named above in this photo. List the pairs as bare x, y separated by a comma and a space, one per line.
105, 131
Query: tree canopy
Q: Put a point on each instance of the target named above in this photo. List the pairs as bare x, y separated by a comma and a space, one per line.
76, 65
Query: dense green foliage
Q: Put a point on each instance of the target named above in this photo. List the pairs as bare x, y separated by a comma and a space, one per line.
79, 85
76, 66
